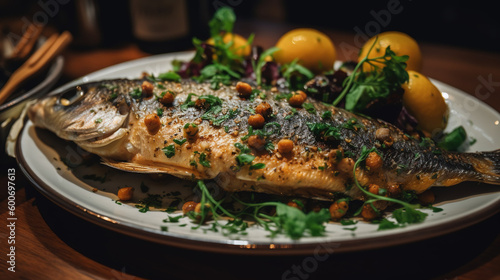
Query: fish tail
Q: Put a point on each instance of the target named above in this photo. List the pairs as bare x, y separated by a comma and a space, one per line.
486, 165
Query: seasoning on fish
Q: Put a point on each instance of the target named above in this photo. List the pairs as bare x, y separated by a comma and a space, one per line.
222, 145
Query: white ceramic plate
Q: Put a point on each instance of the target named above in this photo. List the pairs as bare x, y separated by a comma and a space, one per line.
41, 155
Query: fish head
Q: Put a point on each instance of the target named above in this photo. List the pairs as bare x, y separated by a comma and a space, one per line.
88, 112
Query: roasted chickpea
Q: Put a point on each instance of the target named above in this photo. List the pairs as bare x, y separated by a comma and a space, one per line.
368, 212
256, 142
316, 208
200, 103
294, 204
264, 109
256, 121
197, 209
389, 141
285, 146
346, 165
190, 130
188, 207
244, 89
393, 190
373, 188
147, 89
153, 124
374, 161
297, 99
301, 93
426, 197
126, 193
167, 98
338, 209
336, 155
382, 134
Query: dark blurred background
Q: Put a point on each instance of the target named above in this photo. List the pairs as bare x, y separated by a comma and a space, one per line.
474, 24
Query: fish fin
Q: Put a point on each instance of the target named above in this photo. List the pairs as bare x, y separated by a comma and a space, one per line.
488, 166
179, 172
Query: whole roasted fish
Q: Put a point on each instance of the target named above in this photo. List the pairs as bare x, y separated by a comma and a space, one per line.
191, 131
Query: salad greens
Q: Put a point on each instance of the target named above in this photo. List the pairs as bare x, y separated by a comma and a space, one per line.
361, 87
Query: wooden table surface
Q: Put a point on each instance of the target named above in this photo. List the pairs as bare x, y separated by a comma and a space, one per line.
51, 243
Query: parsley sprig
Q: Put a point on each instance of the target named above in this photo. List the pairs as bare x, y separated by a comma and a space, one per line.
225, 62
287, 220
361, 87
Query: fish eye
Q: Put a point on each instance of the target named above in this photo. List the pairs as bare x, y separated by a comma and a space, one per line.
71, 96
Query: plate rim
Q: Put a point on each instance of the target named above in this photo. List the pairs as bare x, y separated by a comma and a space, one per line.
291, 248
254, 248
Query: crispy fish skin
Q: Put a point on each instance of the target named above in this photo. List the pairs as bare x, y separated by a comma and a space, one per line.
108, 120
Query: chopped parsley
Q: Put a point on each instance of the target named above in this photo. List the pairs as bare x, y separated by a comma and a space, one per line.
180, 142
152, 200
169, 76
202, 159
245, 158
326, 115
136, 93
169, 150
287, 220
362, 87
324, 131
309, 107
159, 112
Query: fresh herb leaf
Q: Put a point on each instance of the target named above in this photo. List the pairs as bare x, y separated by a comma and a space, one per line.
309, 107
222, 21
326, 115
180, 142
169, 150
453, 140
171, 219
159, 112
296, 75
136, 93
324, 131
203, 160
243, 159
385, 224
169, 76
257, 66
362, 87
257, 166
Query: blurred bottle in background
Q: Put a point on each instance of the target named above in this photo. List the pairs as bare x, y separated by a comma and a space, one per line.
94, 23
156, 26
160, 26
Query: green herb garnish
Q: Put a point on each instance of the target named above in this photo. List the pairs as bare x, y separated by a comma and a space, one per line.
169, 76
169, 150
324, 131
362, 87
288, 220
136, 93
180, 142
453, 140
